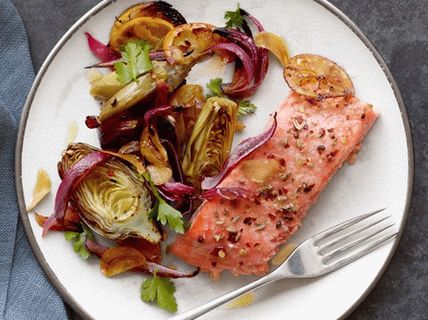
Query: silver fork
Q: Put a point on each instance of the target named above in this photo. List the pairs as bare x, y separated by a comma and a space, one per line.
318, 255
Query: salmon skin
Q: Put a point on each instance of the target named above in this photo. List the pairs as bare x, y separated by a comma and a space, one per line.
286, 175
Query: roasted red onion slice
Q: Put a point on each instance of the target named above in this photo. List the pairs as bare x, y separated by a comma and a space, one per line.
100, 50
161, 111
263, 59
240, 39
176, 191
161, 94
92, 122
177, 170
95, 248
245, 84
241, 151
160, 104
162, 271
119, 129
254, 20
262, 68
49, 224
242, 55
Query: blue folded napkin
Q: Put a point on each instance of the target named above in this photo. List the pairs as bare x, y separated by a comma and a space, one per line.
25, 292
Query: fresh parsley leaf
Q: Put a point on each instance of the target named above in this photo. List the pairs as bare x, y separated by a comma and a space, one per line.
234, 18
87, 231
135, 61
246, 107
165, 295
149, 290
80, 248
170, 215
154, 211
215, 88
123, 76
79, 241
163, 212
161, 291
71, 235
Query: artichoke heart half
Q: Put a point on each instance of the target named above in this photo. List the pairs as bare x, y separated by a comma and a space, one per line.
135, 91
211, 139
113, 199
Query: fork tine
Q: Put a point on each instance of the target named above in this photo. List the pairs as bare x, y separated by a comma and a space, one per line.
363, 251
324, 248
353, 244
329, 232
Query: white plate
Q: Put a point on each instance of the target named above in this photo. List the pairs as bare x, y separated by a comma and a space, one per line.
382, 176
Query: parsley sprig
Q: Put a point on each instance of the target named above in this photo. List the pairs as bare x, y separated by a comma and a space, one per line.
161, 291
234, 18
135, 61
245, 107
163, 212
79, 240
214, 87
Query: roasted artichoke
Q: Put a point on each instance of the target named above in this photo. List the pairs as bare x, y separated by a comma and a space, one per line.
137, 91
189, 97
113, 199
211, 139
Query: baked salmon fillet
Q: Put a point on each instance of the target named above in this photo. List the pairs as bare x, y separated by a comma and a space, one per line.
286, 175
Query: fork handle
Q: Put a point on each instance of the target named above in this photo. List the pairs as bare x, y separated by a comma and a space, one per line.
198, 311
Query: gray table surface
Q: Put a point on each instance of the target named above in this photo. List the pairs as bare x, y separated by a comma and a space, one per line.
399, 30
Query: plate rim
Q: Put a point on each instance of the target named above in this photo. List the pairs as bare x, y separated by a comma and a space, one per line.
65, 295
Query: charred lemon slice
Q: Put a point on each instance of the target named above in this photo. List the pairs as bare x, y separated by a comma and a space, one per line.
317, 77
153, 30
188, 42
155, 9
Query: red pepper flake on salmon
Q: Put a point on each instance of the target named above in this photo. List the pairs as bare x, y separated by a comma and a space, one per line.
285, 175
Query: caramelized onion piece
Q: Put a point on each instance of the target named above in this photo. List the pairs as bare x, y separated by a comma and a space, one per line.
275, 44
151, 251
151, 148
317, 77
130, 158
121, 259
159, 174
